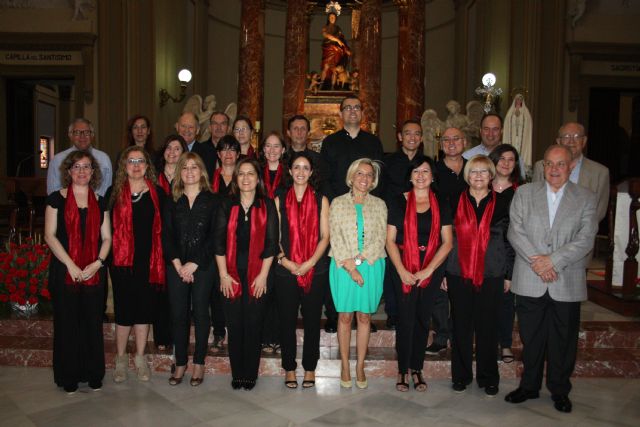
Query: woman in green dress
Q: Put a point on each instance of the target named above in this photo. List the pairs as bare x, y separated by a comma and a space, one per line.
357, 224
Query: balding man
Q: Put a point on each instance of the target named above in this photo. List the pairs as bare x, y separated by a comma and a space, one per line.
586, 173
188, 127
552, 229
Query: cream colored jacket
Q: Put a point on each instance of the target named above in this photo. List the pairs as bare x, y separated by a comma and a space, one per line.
343, 228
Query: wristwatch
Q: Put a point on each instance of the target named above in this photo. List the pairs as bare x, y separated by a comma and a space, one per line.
101, 262
280, 257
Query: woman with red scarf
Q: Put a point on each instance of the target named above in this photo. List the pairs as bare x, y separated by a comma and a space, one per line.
187, 237
78, 232
274, 176
302, 267
172, 149
243, 131
228, 149
246, 241
419, 238
478, 268
137, 269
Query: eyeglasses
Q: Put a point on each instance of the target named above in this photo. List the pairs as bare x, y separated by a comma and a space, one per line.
447, 139
137, 161
352, 108
560, 165
570, 138
480, 172
81, 167
239, 130
81, 132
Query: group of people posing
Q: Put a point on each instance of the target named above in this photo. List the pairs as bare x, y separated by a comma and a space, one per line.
242, 240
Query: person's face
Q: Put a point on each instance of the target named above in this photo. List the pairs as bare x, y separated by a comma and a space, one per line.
557, 168
363, 178
247, 178
411, 136
572, 136
173, 152
506, 164
452, 108
219, 126
242, 131
453, 142
332, 18
81, 172
351, 112
81, 136
422, 176
491, 132
273, 149
190, 173
140, 132
479, 176
187, 127
228, 157
301, 171
298, 132
136, 165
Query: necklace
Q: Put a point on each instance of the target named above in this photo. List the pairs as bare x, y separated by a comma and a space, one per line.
135, 197
246, 210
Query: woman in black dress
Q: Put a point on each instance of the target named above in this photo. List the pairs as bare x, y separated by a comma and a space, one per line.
419, 238
187, 236
78, 232
228, 149
137, 270
246, 241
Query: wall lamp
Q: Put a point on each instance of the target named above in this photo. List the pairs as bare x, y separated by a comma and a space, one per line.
184, 76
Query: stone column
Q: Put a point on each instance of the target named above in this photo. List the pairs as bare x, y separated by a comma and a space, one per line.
296, 54
251, 69
369, 55
410, 92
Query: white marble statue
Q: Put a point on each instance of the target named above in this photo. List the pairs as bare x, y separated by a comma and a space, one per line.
204, 109
518, 130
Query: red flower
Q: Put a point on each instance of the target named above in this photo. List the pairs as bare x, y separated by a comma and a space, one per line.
22, 274
12, 288
22, 293
21, 261
32, 257
22, 301
8, 279
1, 276
33, 300
14, 297
33, 281
44, 264
33, 289
45, 283
22, 285
4, 297
45, 293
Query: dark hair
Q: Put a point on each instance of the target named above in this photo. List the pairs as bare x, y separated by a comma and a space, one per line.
495, 158
264, 140
313, 179
242, 118
415, 163
219, 113
410, 121
161, 162
298, 117
228, 142
329, 14
148, 145
347, 98
71, 159
492, 115
233, 185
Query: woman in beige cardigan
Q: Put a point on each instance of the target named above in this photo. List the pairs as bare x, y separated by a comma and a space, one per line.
357, 224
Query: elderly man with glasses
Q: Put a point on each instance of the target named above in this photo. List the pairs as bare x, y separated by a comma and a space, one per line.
81, 134
585, 172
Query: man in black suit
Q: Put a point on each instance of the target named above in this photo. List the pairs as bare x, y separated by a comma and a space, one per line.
188, 127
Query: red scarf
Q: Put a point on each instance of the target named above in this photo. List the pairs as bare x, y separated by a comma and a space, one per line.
271, 187
473, 239
251, 153
256, 245
164, 183
303, 231
410, 251
82, 251
215, 182
123, 234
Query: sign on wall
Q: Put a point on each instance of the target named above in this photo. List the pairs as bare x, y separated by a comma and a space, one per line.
47, 57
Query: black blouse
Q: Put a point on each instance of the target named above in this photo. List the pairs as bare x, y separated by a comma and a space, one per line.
188, 232
243, 231
397, 210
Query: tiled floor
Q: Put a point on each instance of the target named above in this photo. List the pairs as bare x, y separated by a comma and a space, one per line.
28, 397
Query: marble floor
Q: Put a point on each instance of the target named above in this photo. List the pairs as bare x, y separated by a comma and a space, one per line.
28, 397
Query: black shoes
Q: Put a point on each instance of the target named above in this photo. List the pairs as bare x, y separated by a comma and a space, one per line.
491, 390
561, 402
331, 326
95, 385
519, 395
459, 387
373, 328
435, 349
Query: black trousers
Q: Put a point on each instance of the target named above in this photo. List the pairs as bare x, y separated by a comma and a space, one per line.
329, 306
507, 314
412, 329
389, 290
290, 297
187, 298
549, 330
441, 322
78, 343
475, 312
271, 324
244, 317
217, 310
162, 322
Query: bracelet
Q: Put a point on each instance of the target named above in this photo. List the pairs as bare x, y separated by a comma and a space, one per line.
101, 261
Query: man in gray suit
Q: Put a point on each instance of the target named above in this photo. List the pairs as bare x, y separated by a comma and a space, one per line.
585, 172
552, 229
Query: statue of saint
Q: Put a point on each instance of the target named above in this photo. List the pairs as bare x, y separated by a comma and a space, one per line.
334, 49
518, 130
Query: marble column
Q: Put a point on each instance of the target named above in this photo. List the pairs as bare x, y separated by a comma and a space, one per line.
251, 68
410, 86
369, 56
296, 54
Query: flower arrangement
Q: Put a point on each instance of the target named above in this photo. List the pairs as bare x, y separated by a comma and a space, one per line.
24, 276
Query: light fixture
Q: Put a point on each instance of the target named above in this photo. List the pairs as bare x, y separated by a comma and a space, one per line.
184, 76
489, 91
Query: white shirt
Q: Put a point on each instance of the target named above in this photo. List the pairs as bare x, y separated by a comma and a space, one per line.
575, 173
54, 181
553, 201
481, 149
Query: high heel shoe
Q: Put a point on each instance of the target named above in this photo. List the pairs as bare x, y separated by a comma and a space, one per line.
346, 384
361, 384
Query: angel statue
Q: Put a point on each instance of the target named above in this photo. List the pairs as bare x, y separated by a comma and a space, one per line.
203, 111
518, 129
432, 128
